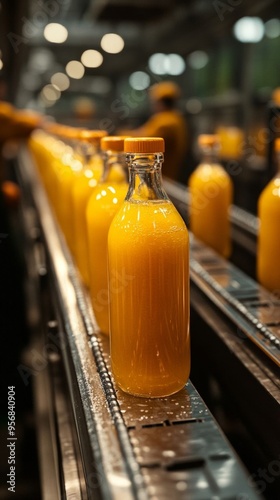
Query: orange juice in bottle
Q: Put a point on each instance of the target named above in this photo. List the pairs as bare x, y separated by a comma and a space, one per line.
47, 149
81, 192
61, 155
268, 250
39, 147
231, 142
66, 174
42, 145
102, 206
148, 266
211, 194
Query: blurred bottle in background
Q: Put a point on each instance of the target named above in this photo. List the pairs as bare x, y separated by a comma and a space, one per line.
268, 252
102, 206
211, 194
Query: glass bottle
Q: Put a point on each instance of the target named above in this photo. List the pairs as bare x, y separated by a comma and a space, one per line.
67, 167
102, 207
148, 263
211, 193
268, 248
82, 188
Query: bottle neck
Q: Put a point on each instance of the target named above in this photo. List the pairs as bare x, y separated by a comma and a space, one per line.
113, 159
145, 179
277, 156
209, 155
87, 151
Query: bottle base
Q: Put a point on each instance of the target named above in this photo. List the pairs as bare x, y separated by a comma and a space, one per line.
162, 392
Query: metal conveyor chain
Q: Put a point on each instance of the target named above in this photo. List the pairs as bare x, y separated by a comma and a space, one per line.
253, 309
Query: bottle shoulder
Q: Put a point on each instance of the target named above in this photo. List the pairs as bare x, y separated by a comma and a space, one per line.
209, 171
108, 194
153, 216
271, 192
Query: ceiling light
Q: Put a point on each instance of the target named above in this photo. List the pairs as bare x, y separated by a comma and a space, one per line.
61, 81
272, 28
55, 33
42, 101
139, 80
92, 58
157, 64
198, 59
1, 64
249, 29
166, 64
75, 69
175, 64
112, 43
50, 93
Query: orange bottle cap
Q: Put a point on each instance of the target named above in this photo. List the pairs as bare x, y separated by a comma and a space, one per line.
208, 140
113, 143
28, 118
277, 145
164, 90
51, 127
93, 136
144, 145
62, 131
6, 109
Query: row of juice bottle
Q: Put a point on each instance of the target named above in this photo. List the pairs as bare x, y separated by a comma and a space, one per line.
130, 236
131, 247
211, 193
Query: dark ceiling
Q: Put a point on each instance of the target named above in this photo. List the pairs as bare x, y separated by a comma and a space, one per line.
147, 26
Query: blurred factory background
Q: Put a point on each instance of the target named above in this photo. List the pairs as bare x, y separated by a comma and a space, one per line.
93, 60
90, 63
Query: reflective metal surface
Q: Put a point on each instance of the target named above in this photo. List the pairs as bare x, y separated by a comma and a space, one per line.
46, 434
73, 481
249, 306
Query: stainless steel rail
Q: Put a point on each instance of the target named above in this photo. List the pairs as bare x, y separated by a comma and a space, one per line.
137, 448
244, 226
252, 309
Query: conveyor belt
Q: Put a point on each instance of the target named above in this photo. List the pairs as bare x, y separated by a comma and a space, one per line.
139, 448
250, 307
254, 311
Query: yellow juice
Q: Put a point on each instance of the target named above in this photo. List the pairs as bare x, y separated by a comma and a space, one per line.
231, 142
81, 193
102, 207
211, 196
268, 269
67, 175
117, 174
52, 183
148, 252
40, 145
